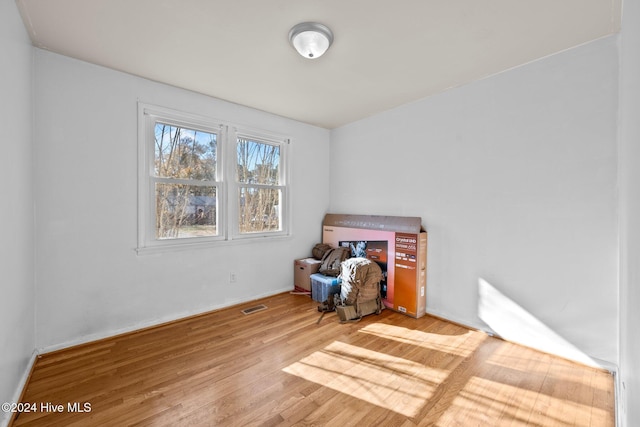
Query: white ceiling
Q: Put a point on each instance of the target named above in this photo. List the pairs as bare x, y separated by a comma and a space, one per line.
385, 53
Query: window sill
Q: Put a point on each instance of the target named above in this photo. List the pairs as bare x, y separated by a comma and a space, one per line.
211, 244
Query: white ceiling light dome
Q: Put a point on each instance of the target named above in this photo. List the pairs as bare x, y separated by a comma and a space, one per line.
311, 39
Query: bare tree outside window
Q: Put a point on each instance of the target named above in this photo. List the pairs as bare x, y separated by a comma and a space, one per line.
185, 171
260, 192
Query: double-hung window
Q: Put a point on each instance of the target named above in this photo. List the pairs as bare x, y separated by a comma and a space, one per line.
259, 185
202, 181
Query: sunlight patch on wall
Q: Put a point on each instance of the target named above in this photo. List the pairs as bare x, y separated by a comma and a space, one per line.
393, 383
513, 323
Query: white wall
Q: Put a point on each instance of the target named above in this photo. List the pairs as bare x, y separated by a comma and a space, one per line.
91, 282
630, 215
514, 177
16, 214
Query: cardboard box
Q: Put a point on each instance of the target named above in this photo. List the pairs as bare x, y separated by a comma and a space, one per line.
397, 244
322, 286
302, 271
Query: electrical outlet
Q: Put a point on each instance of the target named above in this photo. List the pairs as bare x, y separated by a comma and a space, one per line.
232, 278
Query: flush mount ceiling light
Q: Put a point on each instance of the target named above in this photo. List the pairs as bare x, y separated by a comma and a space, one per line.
311, 39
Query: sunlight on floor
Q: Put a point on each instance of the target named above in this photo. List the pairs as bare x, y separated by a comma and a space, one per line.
390, 382
513, 404
478, 380
460, 345
479, 392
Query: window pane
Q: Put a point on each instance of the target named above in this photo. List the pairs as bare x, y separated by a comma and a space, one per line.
184, 211
259, 210
184, 153
258, 162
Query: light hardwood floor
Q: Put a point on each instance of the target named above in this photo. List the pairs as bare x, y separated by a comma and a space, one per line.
278, 367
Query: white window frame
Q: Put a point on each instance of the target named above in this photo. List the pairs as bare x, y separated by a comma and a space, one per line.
226, 183
234, 186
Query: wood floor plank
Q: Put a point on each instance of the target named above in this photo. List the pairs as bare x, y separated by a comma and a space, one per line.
280, 367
